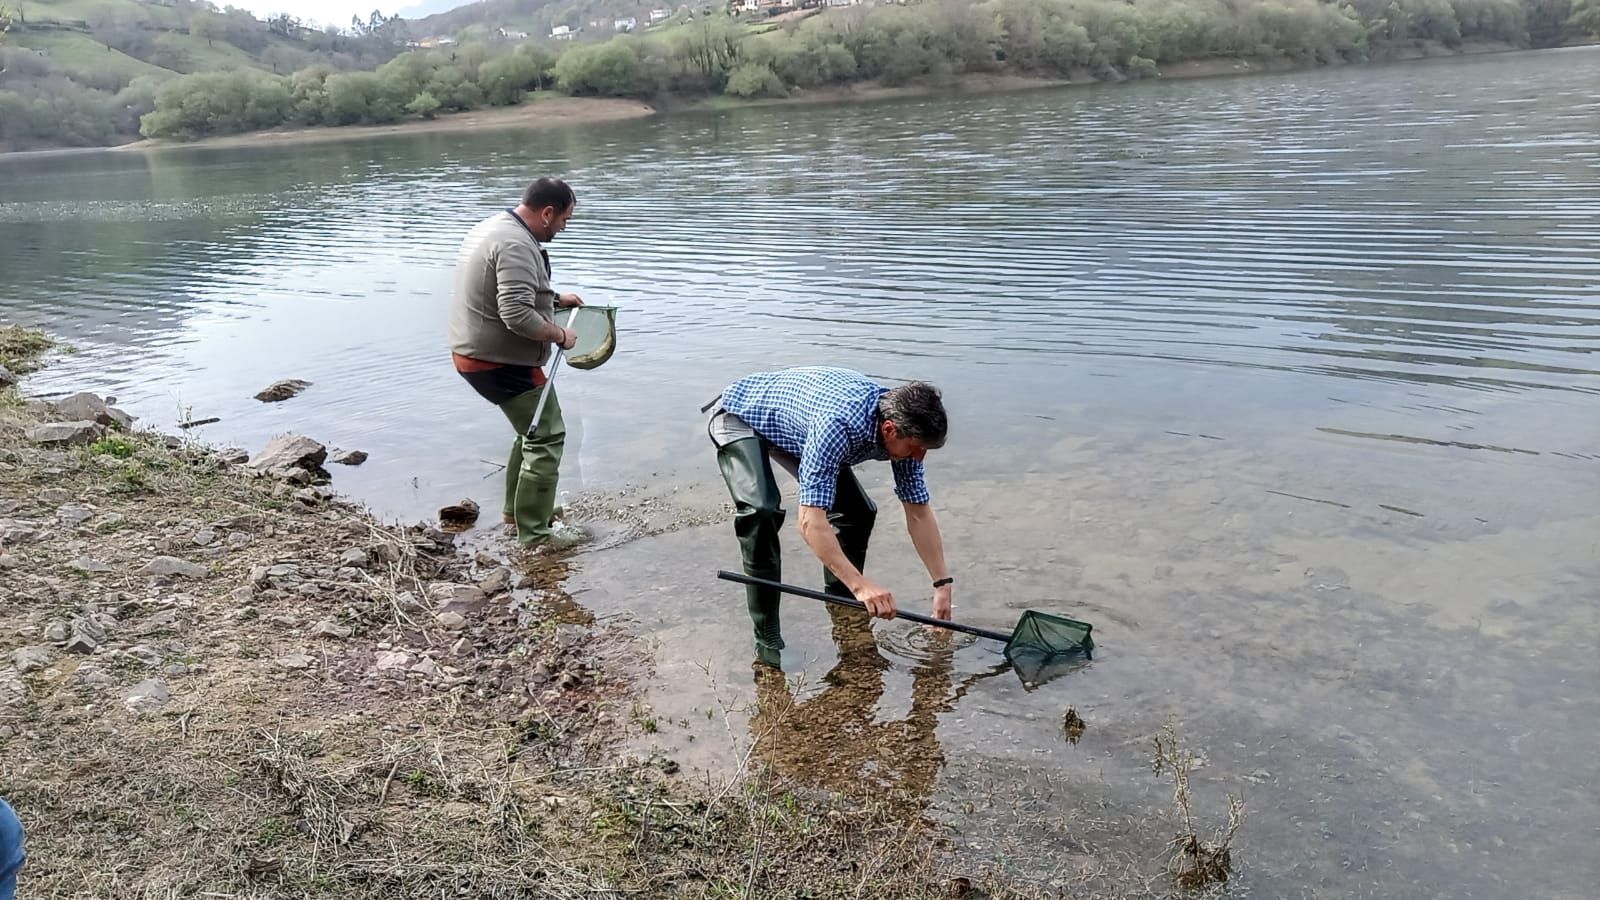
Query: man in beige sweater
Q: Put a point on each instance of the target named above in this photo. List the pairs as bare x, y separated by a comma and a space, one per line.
501, 327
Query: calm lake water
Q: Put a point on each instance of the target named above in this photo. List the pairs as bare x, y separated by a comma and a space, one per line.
1289, 384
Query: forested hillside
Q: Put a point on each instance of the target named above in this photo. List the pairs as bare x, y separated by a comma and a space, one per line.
84, 72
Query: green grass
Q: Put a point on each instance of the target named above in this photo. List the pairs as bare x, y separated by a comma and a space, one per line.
84, 10
20, 348
216, 56
81, 57
114, 445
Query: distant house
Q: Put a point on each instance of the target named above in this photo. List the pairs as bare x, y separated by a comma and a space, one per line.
435, 42
657, 15
513, 35
562, 33
627, 24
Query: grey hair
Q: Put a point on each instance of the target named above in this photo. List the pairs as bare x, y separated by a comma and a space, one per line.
917, 411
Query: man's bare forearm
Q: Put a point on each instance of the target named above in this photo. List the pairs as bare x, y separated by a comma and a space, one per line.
923, 526
820, 537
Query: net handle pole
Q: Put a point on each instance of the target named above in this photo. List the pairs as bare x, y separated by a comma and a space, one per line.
858, 605
551, 378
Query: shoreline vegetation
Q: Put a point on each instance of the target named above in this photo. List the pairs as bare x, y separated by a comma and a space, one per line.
219, 678
556, 110
278, 78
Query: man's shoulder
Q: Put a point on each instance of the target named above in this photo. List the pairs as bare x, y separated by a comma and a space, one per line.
500, 229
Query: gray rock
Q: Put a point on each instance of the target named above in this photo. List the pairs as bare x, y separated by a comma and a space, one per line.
294, 475
451, 619
90, 565
459, 515
72, 434
13, 690
243, 596
10, 561
147, 696
426, 667
290, 451
7, 378
175, 669
350, 457
92, 675
92, 408
354, 557
392, 659
283, 570
239, 539
57, 632
279, 391
89, 627
497, 581
205, 537
297, 661
55, 496
233, 456
463, 599
165, 620
146, 654
313, 496
167, 566
75, 513
16, 531
30, 659
328, 629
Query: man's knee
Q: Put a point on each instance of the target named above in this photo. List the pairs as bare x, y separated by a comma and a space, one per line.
761, 513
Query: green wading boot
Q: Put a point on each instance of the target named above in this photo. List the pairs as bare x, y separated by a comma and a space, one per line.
758, 515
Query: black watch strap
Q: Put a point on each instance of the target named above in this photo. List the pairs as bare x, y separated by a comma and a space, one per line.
944, 581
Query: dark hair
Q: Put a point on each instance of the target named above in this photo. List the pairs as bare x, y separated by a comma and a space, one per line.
917, 411
549, 192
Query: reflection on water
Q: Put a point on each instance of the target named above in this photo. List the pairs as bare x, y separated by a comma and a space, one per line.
1287, 384
833, 737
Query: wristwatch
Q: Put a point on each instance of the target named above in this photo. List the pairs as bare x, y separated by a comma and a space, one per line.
944, 581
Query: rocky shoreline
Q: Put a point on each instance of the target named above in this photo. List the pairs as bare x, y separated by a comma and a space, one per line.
217, 675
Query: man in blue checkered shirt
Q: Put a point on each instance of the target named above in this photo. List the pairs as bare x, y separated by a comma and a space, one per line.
817, 423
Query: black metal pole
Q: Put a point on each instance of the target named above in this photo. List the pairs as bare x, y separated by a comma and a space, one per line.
857, 604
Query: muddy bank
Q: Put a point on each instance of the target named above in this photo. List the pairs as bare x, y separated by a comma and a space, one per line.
215, 676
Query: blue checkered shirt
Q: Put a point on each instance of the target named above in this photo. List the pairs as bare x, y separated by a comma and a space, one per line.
826, 418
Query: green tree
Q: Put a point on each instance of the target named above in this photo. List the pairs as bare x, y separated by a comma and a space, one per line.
611, 69
360, 98
209, 103
424, 105
754, 80
210, 26
544, 62
454, 90
1585, 17
504, 79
